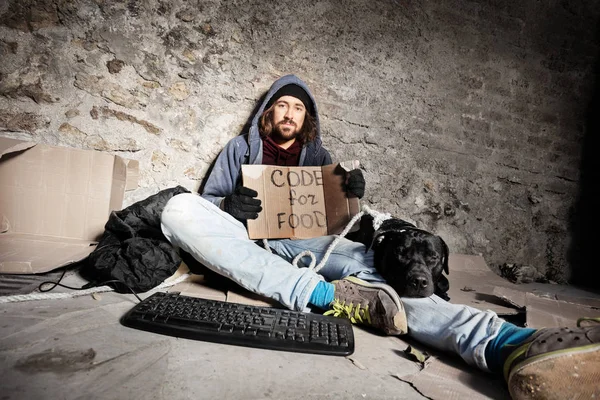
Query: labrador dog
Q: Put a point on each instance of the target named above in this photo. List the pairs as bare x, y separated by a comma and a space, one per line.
411, 260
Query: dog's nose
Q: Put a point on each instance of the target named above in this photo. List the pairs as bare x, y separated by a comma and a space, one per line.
419, 282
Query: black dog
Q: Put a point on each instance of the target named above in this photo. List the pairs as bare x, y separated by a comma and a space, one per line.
410, 259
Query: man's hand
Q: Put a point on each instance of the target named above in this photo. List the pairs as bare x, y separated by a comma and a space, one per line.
242, 204
355, 184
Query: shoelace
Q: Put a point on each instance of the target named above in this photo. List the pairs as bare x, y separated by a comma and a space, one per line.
356, 313
584, 319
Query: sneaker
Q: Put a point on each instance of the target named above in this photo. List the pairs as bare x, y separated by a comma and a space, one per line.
556, 363
374, 304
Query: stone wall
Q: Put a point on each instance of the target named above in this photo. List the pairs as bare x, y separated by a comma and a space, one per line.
467, 116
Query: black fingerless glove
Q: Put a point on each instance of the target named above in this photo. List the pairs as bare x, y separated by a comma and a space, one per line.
242, 204
355, 183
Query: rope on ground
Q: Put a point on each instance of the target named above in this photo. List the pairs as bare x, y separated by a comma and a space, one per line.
77, 293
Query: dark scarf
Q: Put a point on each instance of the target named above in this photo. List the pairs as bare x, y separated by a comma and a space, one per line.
273, 154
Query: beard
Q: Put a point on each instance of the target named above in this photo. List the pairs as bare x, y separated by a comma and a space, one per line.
283, 131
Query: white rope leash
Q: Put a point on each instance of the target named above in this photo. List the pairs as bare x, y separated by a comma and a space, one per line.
378, 219
77, 293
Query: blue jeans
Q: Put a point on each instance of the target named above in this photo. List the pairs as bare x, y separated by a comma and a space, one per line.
221, 243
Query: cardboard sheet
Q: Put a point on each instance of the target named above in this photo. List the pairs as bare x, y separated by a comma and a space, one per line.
34, 254
299, 202
54, 202
450, 379
587, 301
545, 312
242, 296
512, 296
198, 286
473, 283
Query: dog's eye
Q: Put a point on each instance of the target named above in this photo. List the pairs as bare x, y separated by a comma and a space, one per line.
433, 258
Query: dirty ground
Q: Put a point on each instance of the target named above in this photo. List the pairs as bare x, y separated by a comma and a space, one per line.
76, 348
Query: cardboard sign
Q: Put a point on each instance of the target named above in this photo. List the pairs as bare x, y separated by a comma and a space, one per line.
300, 202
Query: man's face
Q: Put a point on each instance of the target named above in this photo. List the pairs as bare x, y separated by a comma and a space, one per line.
288, 117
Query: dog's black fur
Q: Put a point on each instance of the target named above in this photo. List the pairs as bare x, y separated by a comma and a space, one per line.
411, 260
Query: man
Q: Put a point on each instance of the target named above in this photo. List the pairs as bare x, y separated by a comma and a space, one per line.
285, 131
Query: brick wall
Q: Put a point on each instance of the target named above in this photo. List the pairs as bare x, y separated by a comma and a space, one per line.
468, 117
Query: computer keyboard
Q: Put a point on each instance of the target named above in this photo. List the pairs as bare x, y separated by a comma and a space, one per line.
217, 321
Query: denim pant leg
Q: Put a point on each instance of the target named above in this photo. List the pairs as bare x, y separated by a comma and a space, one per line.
455, 328
347, 258
221, 243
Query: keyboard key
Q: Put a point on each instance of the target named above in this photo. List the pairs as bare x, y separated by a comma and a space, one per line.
238, 329
264, 333
319, 339
207, 325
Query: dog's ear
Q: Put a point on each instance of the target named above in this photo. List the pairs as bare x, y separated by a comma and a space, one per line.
442, 284
387, 228
441, 288
378, 237
446, 254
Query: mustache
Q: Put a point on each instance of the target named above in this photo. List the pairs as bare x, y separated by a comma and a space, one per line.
286, 121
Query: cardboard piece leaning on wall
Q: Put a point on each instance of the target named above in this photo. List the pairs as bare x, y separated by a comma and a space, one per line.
55, 201
300, 202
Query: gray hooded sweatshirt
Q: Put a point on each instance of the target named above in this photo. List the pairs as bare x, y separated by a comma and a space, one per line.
248, 149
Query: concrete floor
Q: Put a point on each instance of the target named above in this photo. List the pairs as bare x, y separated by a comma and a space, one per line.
77, 349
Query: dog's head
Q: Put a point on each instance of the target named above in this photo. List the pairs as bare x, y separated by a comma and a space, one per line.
411, 260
